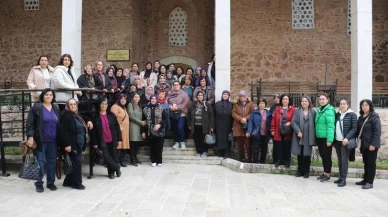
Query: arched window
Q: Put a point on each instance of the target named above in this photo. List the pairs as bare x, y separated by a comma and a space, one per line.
178, 27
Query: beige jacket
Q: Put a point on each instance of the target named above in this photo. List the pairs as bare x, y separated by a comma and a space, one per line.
153, 80
35, 80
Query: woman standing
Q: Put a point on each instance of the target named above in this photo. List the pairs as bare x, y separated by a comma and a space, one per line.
223, 124
122, 116
139, 85
135, 115
162, 70
201, 121
40, 77
162, 101
162, 84
178, 101
148, 77
170, 78
369, 130
107, 136
179, 74
41, 128
241, 113
145, 98
281, 130
259, 125
65, 78
120, 79
324, 130
345, 131
303, 138
112, 78
207, 89
73, 130
187, 86
156, 120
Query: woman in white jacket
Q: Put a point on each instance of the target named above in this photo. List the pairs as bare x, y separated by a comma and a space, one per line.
65, 78
148, 77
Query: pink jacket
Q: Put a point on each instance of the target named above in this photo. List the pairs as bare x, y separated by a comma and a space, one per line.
36, 80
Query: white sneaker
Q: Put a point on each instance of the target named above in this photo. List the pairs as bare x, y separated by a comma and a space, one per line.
153, 165
176, 145
159, 165
183, 146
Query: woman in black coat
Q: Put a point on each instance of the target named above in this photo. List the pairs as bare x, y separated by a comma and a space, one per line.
345, 131
370, 125
223, 124
73, 129
201, 120
107, 136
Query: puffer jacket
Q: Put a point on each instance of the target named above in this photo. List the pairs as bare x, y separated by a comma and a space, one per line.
349, 124
371, 132
325, 123
254, 123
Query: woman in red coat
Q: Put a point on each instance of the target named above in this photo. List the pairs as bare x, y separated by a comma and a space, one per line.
281, 131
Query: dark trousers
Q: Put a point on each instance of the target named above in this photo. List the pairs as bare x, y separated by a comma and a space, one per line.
48, 154
110, 157
199, 140
243, 142
304, 163
343, 159
133, 150
325, 153
122, 153
75, 177
369, 158
283, 150
259, 149
156, 149
178, 129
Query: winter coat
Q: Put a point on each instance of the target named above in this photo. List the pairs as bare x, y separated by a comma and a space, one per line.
97, 138
255, 122
62, 80
307, 128
239, 111
135, 119
68, 132
223, 124
34, 125
371, 132
207, 117
153, 79
349, 124
275, 122
209, 94
123, 119
36, 80
325, 123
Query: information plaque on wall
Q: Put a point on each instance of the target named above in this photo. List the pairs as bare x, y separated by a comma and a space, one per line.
117, 55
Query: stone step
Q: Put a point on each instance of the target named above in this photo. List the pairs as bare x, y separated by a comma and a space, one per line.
211, 160
170, 142
171, 151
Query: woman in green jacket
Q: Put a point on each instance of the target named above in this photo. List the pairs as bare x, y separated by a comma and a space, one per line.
324, 130
135, 115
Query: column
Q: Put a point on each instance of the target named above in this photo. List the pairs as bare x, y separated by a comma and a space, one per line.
361, 51
71, 31
223, 46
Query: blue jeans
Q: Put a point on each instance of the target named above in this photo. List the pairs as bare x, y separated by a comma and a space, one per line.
48, 153
177, 127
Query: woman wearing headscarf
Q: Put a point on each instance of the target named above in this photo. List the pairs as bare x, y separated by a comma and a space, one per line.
122, 116
241, 113
40, 77
145, 98
139, 85
87, 80
162, 100
203, 74
107, 136
120, 78
206, 89
148, 77
281, 130
156, 118
73, 130
130, 92
178, 101
162, 84
303, 137
223, 124
201, 120
170, 77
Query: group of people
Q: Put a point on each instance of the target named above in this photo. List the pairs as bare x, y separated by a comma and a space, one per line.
132, 107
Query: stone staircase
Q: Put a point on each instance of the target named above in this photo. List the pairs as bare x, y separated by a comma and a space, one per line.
187, 156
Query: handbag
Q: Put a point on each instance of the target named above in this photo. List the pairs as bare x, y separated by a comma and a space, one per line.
210, 138
159, 133
68, 165
29, 170
58, 169
285, 129
97, 157
245, 125
175, 115
359, 135
352, 144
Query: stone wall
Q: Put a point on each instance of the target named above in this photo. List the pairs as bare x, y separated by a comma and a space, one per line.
25, 35
265, 46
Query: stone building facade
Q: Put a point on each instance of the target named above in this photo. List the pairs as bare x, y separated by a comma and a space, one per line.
263, 43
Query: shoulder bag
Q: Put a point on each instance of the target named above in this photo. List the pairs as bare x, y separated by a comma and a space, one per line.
29, 170
359, 135
210, 138
352, 144
159, 133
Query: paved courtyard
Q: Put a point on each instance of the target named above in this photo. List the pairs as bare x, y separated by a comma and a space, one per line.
192, 190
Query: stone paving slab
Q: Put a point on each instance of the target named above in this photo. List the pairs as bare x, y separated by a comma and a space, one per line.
192, 190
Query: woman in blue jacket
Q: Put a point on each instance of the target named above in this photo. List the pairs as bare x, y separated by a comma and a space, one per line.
259, 125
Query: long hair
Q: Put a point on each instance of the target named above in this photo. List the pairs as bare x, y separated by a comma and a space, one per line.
371, 108
63, 57
41, 58
308, 99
